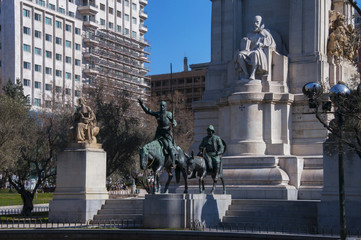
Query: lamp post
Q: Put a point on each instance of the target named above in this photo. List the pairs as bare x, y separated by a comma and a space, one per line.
338, 92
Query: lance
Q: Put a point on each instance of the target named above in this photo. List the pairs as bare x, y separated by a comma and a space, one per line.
172, 92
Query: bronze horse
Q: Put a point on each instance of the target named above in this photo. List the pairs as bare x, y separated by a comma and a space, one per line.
152, 156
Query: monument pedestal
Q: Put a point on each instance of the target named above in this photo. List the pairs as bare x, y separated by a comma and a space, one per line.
80, 184
329, 208
180, 210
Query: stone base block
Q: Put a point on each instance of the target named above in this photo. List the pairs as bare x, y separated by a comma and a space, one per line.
72, 210
249, 191
329, 216
180, 210
81, 184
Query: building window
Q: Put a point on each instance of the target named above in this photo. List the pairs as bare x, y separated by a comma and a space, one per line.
61, 10
58, 73
27, 65
119, 28
68, 43
119, 14
58, 89
77, 78
134, 34
58, 40
58, 24
134, 20
48, 71
126, 31
77, 62
37, 34
126, 17
68, 59
77, 46
67, 75
67, 28
102, 22
102, 7
71, 14
37, 68
26, 13
48, 87
134, 6
48, 54
48, 37
41, 2
119, 1
126, 3
110, 10
48, 20
37, 84
110, 25
37, 51
51, 6
26, 30
58, 57
26, 48
77, 93
27, 82
77, 31
67, 91
37, 17
37, 102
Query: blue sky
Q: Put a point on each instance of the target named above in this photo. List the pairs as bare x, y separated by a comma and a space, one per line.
178, 28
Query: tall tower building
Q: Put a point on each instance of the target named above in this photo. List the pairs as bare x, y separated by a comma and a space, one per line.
56, 46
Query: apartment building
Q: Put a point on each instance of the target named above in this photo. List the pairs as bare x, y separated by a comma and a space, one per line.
190, 83
56, 46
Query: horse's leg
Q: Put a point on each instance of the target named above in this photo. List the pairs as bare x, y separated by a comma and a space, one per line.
214, 183
185, 181
224, 186
170, 176
200, 185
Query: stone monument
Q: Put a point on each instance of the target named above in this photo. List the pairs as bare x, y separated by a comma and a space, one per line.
81, 172
262, 53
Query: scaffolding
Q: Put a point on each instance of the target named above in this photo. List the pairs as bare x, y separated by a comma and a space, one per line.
118, 58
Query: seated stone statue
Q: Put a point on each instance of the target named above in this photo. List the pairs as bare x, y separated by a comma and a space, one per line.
84, 128
251, 58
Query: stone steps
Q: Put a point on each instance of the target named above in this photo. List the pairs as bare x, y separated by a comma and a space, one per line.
121, 211
275, 214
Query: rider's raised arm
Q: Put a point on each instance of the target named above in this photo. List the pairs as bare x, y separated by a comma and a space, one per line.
146, 109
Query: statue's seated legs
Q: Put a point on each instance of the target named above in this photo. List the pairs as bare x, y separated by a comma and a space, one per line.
169, 149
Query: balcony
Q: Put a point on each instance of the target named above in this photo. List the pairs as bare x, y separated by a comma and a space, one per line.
143, 28
143, 14
143, 2
90, 70
88, 8
89, 21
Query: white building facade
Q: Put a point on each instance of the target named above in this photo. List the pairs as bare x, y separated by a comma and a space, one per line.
45, 45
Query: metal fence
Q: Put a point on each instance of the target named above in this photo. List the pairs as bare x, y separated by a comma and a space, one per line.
33, 223
14, 211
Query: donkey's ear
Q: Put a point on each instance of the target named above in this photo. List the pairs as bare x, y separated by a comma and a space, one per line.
192, 154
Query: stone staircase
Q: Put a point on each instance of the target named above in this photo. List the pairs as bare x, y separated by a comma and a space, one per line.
272, 215
121, 211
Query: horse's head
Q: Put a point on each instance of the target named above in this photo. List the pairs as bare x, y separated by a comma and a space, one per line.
190, 163
143, 157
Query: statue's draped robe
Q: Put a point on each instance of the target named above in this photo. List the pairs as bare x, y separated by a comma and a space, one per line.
253, 55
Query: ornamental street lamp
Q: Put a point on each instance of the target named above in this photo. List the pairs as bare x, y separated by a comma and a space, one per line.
338, 93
